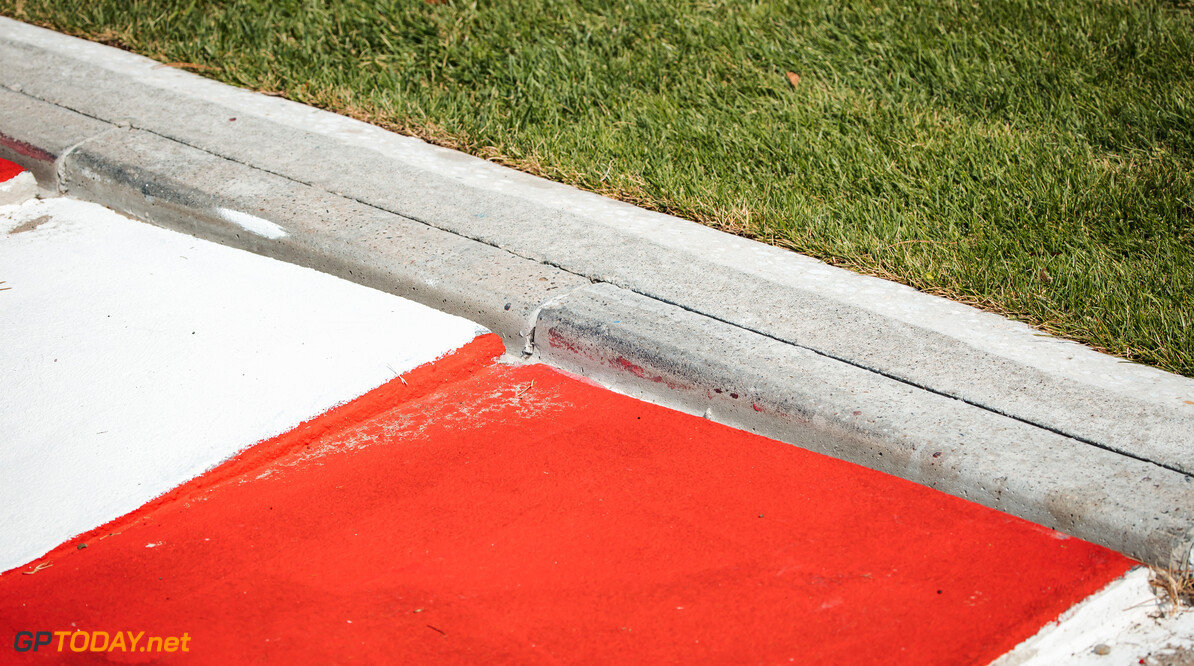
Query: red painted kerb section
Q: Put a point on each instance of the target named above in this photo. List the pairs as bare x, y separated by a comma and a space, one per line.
9, 170
483, 513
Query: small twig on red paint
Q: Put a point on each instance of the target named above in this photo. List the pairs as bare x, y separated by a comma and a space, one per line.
396, 374
43, 565
441, 631
525, 389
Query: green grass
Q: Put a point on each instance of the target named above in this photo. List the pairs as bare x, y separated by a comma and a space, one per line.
1032, 158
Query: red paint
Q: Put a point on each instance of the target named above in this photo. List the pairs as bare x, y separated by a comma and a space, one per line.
637, 370
495, 514
9, 170
418, 382
621, 363
556, 340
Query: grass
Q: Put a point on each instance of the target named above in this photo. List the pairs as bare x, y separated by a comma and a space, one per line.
1174, 588
1032, 158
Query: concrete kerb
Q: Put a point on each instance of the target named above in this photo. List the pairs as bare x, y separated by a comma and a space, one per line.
182, 188
931, 343
1032, 426
637, 344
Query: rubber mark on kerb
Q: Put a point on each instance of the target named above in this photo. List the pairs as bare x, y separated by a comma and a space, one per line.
252, 223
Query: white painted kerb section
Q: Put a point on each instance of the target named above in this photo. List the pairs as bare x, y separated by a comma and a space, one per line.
134, 358
18, 189
1126, 618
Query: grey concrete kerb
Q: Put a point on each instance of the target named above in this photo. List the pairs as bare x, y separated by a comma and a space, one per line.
750, 335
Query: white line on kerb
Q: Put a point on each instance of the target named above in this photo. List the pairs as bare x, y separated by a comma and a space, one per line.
252, 223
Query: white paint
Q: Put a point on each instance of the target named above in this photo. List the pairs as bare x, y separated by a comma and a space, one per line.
134, 358
1126, 616
982, 330
252, 223
18, 189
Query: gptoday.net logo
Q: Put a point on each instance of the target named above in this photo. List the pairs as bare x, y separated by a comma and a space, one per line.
98, 641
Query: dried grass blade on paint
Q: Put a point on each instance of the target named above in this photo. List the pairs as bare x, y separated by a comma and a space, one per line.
1174, 586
